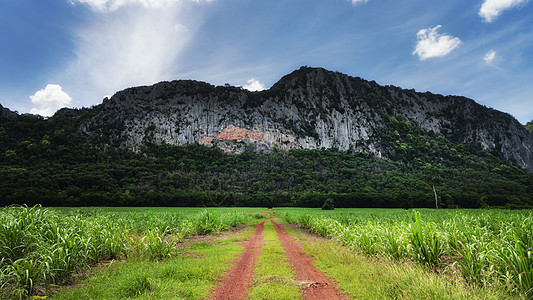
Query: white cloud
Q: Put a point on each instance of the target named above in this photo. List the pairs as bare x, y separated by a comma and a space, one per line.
180, 28
431, 44
490, 57
49, 100
112, 5
491, 9
131, 47
254, 85
355, 2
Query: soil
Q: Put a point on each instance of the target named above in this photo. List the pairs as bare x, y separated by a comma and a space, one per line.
312, 282
239, 279
315, 285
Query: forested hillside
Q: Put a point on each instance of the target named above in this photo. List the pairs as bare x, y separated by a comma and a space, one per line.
48, 162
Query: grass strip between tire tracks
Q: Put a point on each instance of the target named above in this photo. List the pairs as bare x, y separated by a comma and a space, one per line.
273, 276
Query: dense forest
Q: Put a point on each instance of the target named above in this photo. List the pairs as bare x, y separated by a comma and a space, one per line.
45, 161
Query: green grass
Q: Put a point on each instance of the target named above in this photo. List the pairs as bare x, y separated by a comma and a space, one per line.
387, 253
191, 275
41, 248
364, 277
180, 210
273, 276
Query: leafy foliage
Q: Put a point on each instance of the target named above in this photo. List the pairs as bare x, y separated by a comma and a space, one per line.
328, 204
47, 162
529, 126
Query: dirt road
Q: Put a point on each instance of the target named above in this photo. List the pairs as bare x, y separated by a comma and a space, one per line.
313, 284
239, 278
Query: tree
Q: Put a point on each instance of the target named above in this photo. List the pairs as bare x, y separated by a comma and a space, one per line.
432, 177
328, 204
529, 126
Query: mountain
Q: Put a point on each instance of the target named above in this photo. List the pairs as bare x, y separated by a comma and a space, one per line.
311, 108
315, 136
6, 114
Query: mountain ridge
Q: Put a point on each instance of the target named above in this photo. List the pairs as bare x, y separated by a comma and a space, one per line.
315, 135
310, 108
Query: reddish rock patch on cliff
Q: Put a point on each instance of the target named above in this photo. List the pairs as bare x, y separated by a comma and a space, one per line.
234, 133
206, 140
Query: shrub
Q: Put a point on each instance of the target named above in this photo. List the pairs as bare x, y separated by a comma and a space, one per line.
328, 204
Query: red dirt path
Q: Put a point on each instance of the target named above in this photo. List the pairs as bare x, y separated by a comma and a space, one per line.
320, 287
237, 280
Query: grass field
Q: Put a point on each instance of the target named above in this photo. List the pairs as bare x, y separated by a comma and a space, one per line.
188, 275
490, 248
41, 248
415, 254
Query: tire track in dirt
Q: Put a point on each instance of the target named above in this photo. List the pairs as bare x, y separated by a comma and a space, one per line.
317, 285
239, 279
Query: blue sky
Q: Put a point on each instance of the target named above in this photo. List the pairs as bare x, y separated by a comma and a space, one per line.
73, 53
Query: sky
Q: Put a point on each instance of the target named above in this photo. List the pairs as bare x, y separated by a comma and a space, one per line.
74, 53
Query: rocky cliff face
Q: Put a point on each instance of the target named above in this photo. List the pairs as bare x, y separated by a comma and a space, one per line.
7, 114
311, 108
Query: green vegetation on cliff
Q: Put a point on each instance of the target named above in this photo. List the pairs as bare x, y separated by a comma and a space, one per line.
529, 126
46, 162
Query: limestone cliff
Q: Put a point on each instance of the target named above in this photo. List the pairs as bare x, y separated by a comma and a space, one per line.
7, 114
311, 108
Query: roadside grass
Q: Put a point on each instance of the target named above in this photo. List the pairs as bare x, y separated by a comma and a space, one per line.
364, 277
490, 248
273, 276
190, 275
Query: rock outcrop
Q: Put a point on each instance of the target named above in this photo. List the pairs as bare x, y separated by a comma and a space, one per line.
7, 114
311, 108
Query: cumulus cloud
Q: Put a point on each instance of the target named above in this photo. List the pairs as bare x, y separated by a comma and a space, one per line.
49, 100
491, 9
112, 5
490, 57
355, 2
432, 44
254, 85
